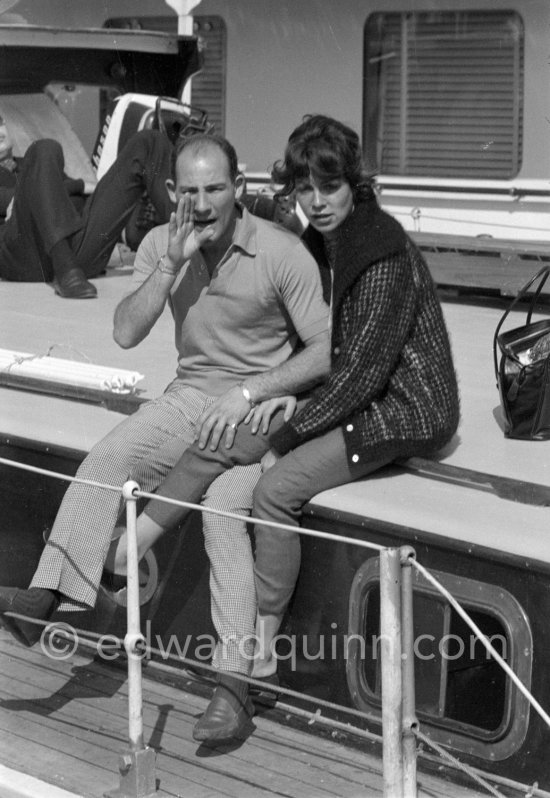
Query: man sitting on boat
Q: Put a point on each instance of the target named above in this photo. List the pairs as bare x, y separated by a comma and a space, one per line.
391, 393
243, 293
62, 230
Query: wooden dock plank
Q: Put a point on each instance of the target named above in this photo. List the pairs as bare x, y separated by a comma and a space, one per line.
66, 722
50, 706
176, 723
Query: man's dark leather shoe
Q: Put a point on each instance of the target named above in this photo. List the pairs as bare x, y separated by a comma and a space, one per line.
228, 715
36, 602
73, 284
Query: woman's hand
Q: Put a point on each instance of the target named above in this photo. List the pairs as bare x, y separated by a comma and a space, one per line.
261, 415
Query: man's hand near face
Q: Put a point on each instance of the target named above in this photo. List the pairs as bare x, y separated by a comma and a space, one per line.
183, 240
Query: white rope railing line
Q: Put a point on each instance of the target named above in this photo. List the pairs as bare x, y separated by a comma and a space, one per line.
137, 493
98, 643
444, 754
483, 639
59, 475
492, 225
527, 790
249, 519
314, 717
320, 702
313, 533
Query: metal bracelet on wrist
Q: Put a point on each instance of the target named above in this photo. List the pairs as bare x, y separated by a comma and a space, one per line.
163, 268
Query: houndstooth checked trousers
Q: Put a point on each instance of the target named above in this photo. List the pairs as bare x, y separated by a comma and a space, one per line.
145, 447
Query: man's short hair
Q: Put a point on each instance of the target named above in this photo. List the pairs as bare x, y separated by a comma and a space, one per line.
199, 140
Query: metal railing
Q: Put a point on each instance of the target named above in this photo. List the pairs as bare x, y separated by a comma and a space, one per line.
400, 727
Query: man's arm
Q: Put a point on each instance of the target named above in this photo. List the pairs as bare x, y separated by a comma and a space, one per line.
137, 313
307, 368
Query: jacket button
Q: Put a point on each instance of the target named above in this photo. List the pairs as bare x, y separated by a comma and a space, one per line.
349, 428
355, 458
336, 350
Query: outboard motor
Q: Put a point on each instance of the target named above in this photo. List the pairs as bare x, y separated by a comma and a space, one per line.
133, 112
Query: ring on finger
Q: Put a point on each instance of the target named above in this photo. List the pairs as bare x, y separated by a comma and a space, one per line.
232, 426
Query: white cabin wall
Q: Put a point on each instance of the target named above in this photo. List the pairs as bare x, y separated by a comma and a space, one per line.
286, 59
84, 13
297, 56
536, 112
290, 57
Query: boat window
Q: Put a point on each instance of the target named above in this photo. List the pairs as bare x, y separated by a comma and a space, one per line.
444, 93
463, 697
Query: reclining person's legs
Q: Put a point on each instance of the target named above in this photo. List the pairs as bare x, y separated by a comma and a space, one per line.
142, 164
43, 215
46, 239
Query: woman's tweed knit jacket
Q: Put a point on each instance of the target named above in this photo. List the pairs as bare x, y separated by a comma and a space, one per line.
392, 386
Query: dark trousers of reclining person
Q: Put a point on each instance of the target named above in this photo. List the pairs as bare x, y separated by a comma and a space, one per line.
47, 238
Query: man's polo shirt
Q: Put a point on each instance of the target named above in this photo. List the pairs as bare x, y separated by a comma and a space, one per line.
263, 298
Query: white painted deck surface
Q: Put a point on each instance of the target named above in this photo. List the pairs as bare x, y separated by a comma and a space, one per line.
66, 721
462, 513
33, 319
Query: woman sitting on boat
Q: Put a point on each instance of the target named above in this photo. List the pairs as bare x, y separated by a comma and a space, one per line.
392, 391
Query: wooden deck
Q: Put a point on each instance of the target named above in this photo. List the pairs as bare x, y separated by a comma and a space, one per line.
65, 722
35, 319
491, 266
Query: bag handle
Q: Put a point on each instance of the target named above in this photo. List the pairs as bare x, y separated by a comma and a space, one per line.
541, 275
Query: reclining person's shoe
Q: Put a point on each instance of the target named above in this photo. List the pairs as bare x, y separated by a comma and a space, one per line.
72, 284
36, 602
228, 715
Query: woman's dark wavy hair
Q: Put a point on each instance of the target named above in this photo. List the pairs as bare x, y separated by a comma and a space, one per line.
324, 147
198, 140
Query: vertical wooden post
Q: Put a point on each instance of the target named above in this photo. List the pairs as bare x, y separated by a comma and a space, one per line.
390, 644
183, 9
133, 632
409, 720
137, 765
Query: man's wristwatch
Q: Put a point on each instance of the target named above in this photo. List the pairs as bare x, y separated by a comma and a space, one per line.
246, 394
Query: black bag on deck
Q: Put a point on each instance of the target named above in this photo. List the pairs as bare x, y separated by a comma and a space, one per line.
523, 374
